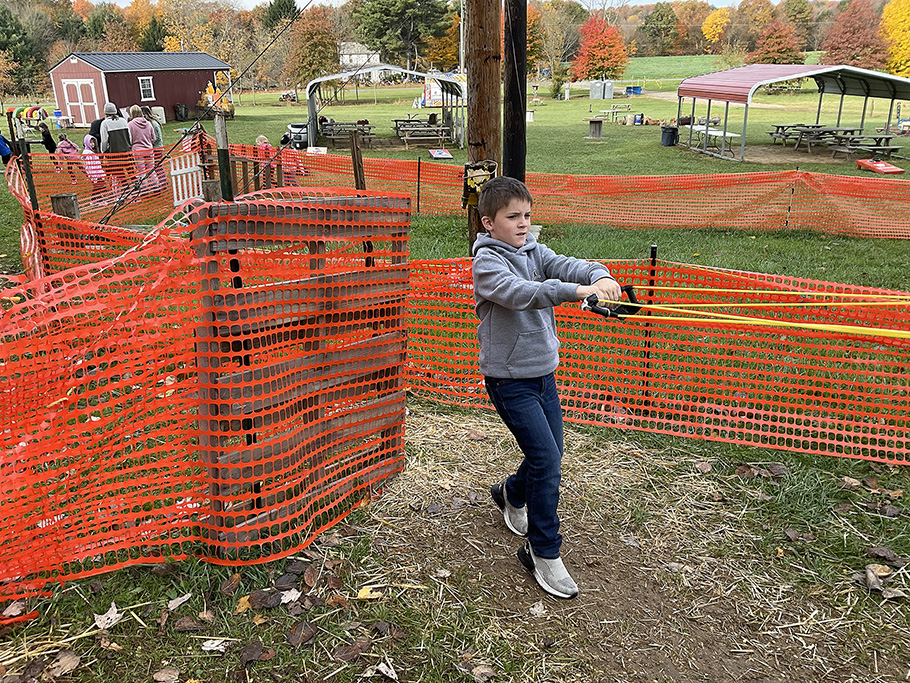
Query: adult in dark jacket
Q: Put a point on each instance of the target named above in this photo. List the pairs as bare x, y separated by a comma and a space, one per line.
47, 139
95, 130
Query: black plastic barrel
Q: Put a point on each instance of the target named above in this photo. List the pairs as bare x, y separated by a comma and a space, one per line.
181, 112
668, 135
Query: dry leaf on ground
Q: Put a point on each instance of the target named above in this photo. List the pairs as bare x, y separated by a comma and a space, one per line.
537, 609
703, 467
348, 653
387, 671
66, 661
108, 644
265, 599
166, 675
483, 673
893, 593
187, 624
228, 586
109, 618
176, 602
369, 593
302, 632
251, 653
291, 595
216, 645
14, 609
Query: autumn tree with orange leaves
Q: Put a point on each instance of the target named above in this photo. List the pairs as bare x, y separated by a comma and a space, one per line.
602, 53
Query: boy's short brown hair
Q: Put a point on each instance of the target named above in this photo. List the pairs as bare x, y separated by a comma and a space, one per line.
496, 193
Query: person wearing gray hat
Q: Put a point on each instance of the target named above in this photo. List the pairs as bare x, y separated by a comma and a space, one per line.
115, 133
115, 140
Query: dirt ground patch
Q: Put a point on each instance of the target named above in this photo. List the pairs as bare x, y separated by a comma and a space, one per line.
657, 601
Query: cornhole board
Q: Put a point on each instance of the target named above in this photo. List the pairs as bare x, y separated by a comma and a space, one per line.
877, 166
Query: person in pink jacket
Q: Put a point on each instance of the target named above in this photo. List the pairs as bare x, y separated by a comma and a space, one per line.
67, 150
93, 169
142, 135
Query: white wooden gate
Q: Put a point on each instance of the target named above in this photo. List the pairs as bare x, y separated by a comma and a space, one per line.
186, 177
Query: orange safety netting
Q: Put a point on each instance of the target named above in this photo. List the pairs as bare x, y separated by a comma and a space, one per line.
230, 381
801, 388
786, 200
225, 390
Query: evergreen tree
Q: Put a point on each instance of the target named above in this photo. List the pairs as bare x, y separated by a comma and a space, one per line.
661, 26
152, 39
278, 13
399, 28
799, 14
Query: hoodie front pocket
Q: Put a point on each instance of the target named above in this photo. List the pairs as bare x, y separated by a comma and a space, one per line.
534, 353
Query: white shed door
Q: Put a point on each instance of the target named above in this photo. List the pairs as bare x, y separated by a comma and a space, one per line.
81, 101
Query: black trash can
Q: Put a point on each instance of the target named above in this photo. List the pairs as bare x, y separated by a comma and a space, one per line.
668, 135
181, 112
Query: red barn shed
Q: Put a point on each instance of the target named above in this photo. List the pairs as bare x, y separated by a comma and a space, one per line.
84, 81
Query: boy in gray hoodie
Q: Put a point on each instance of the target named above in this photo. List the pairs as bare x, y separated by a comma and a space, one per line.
517, 283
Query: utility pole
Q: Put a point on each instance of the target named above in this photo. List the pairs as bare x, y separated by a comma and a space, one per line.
515, 79
483, 62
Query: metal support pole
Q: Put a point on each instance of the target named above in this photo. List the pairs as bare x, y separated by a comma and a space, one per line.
888, 120
840, 109
678, 110
862, 121
742, 143
704, 145
818, 114
691, 123
723, 140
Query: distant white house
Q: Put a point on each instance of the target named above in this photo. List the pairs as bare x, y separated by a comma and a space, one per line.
356, 55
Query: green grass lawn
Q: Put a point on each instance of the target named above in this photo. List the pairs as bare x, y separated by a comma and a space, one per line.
557, 143
680, 66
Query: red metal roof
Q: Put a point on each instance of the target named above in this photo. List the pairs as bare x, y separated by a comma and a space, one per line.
738, 85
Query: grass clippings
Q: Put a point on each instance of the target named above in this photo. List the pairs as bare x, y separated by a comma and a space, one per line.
687, 573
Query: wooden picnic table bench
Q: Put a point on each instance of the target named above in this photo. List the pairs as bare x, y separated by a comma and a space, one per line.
336, 130
872, 144
414, 133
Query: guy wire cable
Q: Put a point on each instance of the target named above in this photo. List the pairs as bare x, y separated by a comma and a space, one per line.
348, 80
137, 186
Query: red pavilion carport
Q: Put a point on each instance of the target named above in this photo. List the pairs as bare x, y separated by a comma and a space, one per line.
739, 84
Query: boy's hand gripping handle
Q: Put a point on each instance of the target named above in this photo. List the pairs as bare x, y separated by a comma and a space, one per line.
592, 303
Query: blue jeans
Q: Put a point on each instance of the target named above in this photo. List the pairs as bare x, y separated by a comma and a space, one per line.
530, 408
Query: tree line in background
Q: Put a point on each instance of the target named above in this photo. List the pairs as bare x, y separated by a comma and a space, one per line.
565, 38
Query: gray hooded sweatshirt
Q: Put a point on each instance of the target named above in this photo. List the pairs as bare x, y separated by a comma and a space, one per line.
515, 291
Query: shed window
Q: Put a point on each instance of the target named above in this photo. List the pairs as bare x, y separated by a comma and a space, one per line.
146, 91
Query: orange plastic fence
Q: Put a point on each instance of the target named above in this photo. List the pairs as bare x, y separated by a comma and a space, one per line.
787, 200
232, 381
798, 389
224, 391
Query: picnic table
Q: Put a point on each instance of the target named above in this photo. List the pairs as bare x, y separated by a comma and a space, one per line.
877, 143
414, 132
788, 131
338, 130
814, 134
617, 110
711, 138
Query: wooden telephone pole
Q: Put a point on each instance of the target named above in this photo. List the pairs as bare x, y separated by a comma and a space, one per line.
483, 62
